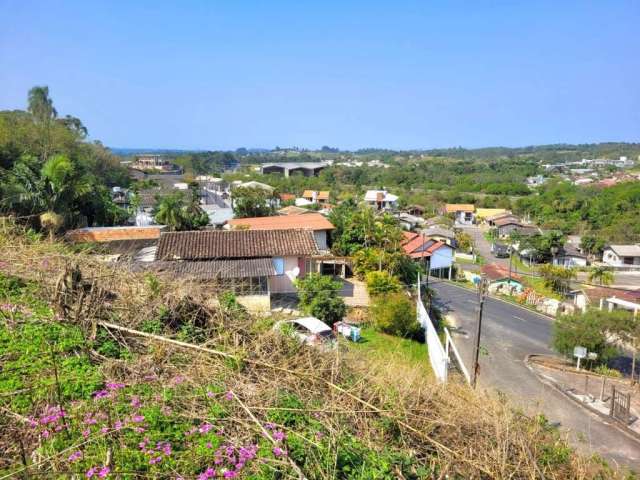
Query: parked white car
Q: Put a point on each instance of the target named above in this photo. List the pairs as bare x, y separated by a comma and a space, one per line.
309, 330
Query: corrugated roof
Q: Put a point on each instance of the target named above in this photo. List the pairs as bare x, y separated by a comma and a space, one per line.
309, 221
323, 195
626, 250
293, 210
211, 269
510, 220
459, 207
219, 244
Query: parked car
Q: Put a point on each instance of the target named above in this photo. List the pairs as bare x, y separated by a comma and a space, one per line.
309, 330
500, 250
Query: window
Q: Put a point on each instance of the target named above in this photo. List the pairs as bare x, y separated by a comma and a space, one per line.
278, 264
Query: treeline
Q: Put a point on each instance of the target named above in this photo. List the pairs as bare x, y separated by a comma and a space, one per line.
609, 214
49, 171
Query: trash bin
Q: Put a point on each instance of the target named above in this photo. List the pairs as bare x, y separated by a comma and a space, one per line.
355, 334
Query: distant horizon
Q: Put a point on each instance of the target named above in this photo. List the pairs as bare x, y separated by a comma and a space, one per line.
425, 149
411, 75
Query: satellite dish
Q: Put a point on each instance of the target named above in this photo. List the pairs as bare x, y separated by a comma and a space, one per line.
293, 274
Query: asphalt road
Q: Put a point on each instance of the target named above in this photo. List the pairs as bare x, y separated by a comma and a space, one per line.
509, 333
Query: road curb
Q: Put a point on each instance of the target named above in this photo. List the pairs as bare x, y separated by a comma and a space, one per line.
493, 297
557, 387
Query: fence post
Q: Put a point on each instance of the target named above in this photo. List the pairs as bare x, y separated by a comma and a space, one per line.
604, 379
613, 399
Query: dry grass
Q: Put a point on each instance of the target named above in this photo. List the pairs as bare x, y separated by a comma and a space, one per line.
456, 431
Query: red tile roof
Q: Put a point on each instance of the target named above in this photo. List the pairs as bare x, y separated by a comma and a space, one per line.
285, 197
220, 244
493, 271
309, 221
113, 234
459, 207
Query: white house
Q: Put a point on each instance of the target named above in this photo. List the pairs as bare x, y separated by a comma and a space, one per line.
622, 256
570, 257
381, 199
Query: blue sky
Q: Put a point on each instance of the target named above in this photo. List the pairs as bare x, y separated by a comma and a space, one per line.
220, 75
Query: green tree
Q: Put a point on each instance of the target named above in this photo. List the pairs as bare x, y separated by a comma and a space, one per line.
382, 282
587, 330
557, 278
601, 274
395, 314
253, 202
179, 213
319, 296
464, 242
41, 107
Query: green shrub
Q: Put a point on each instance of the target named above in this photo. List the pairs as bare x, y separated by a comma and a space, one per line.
608, 372
395, 313
583, 329
381, 283
319, 296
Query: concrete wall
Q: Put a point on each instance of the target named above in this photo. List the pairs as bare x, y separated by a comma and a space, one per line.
283, 283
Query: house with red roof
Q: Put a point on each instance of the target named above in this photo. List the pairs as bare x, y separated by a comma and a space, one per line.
317, 223
438, 255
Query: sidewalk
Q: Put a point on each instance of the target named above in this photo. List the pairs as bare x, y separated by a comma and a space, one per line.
585, 388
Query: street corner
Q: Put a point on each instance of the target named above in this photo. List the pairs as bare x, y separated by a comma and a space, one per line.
615, 400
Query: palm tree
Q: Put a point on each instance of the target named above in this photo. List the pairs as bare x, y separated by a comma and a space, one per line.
170, 211
603, 275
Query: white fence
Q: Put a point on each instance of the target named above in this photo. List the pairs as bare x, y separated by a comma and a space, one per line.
438, 355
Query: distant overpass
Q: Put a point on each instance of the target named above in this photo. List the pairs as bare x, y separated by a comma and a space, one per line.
308, 169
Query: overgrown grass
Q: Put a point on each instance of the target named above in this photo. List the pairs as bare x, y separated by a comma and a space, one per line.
389, 348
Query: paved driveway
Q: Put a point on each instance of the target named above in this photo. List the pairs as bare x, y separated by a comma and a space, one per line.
509, 334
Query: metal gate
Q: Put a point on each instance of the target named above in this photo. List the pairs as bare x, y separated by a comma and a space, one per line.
620, 405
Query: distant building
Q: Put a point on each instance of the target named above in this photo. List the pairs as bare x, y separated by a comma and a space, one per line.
622, 256
308, 169
570, 257
316, 197
381, 200
154, 163
463, 212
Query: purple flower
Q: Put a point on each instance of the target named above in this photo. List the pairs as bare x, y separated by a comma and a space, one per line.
207, 474
118, 425
177, 380
104, 471
135, 401
228, 395
269, 425
86, 433
45, 434
279, 435
115, 386
137, 418
91, 472
230, 474
278, 452
104, 430
210, 394
205, 427
75, 456
100, 394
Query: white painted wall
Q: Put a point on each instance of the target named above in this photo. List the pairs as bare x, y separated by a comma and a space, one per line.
284, 283
442, 258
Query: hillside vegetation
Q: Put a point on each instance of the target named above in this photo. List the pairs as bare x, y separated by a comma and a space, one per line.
110, 374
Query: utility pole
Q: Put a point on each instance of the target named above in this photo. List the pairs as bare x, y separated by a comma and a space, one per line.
476, 348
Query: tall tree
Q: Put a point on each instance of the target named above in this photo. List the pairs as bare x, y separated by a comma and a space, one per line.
41, 107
